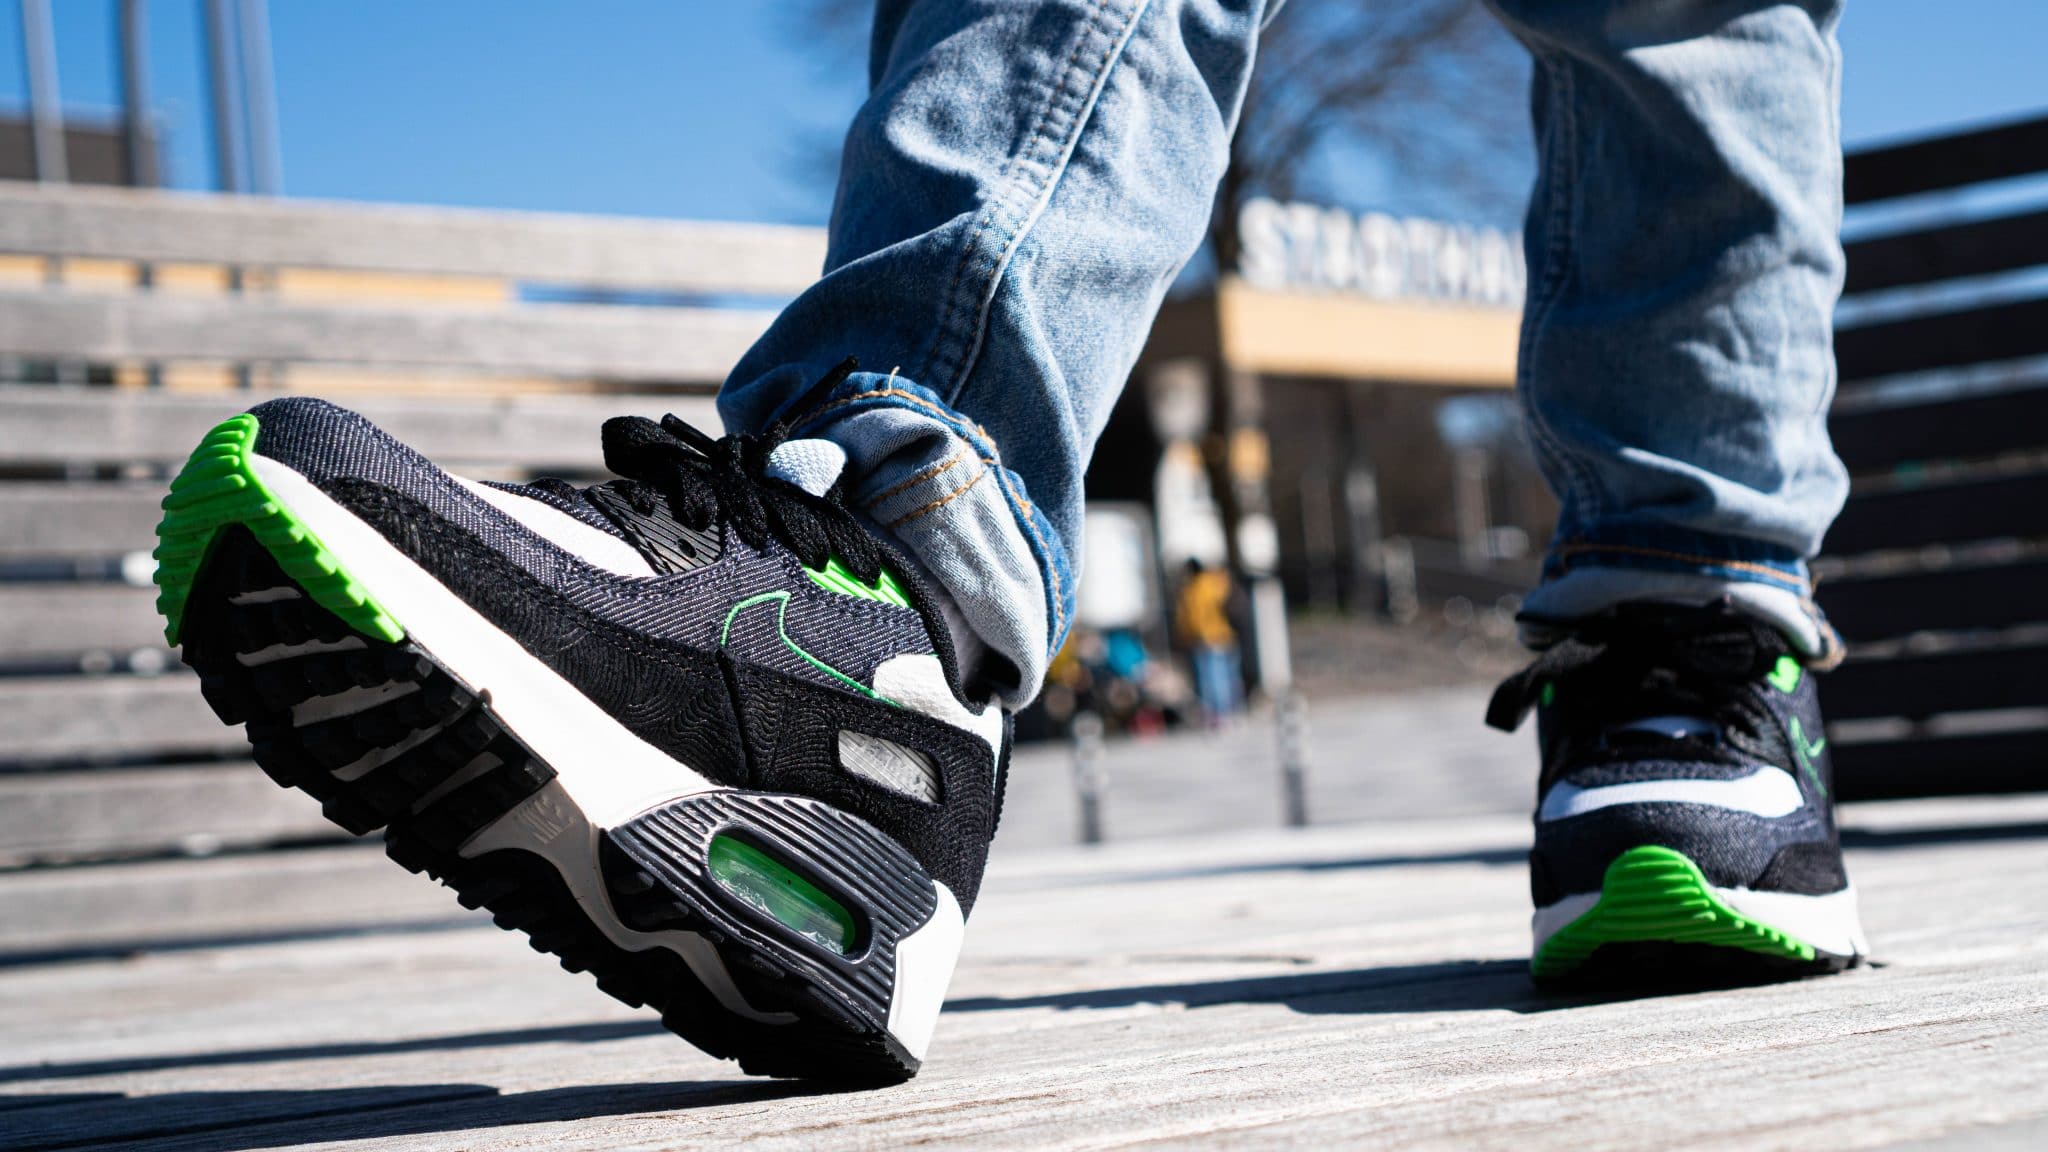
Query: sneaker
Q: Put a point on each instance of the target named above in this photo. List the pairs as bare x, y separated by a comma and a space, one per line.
1684, 831
696, 731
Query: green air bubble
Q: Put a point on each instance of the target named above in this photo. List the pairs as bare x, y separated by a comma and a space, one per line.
762, 881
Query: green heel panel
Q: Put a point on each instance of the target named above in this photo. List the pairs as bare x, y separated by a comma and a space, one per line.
1657, 894
218, 487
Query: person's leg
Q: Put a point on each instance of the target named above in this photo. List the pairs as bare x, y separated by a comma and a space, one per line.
1676, 357
1022, 186
1676, 365
1209, 670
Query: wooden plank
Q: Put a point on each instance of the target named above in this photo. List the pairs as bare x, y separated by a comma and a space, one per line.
1942, 340
45, 620
1877, 439
1986, 763
1972, 248
1920, 685
1942, 513
588, 251
668, 345
59, 426
1937, 599
56, 816
1948, 161
1237, 1011
53, 520
64, 719
48, 914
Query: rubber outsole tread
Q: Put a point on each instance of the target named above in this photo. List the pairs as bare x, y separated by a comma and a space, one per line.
440, 728
1656, 904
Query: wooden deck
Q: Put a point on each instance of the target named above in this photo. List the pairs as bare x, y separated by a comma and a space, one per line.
1200, 980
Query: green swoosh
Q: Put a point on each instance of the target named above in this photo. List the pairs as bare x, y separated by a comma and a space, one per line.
1806, 752
781, 612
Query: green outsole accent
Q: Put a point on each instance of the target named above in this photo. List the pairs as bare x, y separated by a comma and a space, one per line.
1656, 894
766, 883
834, 577
218, 487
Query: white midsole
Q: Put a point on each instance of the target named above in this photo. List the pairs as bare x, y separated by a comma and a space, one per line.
611, 773
1828, 922
924, 967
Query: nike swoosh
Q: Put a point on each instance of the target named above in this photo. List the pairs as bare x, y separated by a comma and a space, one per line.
1806, 752
781, 602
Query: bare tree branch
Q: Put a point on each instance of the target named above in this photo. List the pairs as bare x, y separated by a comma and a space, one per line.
1429, 92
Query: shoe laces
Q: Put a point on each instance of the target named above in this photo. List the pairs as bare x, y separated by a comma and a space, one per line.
709, 480
1644, 660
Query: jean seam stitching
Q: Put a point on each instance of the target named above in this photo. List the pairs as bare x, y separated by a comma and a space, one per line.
1022, 513
902, 486
1047, 147
1582, 489
951, 308
1082, 116
941, 502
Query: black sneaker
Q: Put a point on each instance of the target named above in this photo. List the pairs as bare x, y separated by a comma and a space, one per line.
1684, 832
696, 731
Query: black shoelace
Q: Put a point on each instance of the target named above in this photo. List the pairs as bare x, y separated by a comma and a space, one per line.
1649, 659
708, 480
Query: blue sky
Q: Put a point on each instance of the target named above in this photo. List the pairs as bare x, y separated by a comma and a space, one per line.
689, 108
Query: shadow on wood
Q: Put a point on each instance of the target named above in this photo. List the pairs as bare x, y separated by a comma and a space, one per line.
267, 1118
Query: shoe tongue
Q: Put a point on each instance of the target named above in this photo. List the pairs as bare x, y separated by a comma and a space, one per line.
812, 465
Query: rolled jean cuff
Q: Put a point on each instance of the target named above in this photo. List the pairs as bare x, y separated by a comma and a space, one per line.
1584, 578
934, 480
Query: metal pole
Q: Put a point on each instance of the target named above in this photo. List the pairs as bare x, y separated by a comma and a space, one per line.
259, 96
223, 53
135, 97
46, 115
46, 134
227, 96
1089, 774
138, 131
1292, 721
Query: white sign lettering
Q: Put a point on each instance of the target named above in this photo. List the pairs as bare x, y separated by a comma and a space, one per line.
1303, 246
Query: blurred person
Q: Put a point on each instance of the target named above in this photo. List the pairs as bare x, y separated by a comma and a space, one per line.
1201, 617
730, 732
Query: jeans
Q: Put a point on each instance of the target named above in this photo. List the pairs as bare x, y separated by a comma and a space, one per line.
1027, 178
1216, 680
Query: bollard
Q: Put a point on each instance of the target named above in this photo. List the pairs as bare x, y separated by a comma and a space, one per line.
1291, 719
1089, 774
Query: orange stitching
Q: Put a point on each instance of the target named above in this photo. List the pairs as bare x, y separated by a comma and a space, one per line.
941, 502
1059, 613
899, 393
1708, 561
927, 474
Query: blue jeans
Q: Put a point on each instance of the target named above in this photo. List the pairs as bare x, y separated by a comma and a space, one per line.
1217, 680
1026, 179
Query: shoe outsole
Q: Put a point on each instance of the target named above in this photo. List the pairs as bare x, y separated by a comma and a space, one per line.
1658, 920
341, 706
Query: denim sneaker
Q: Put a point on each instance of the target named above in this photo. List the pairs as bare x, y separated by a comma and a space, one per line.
1684, 831
696, 731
